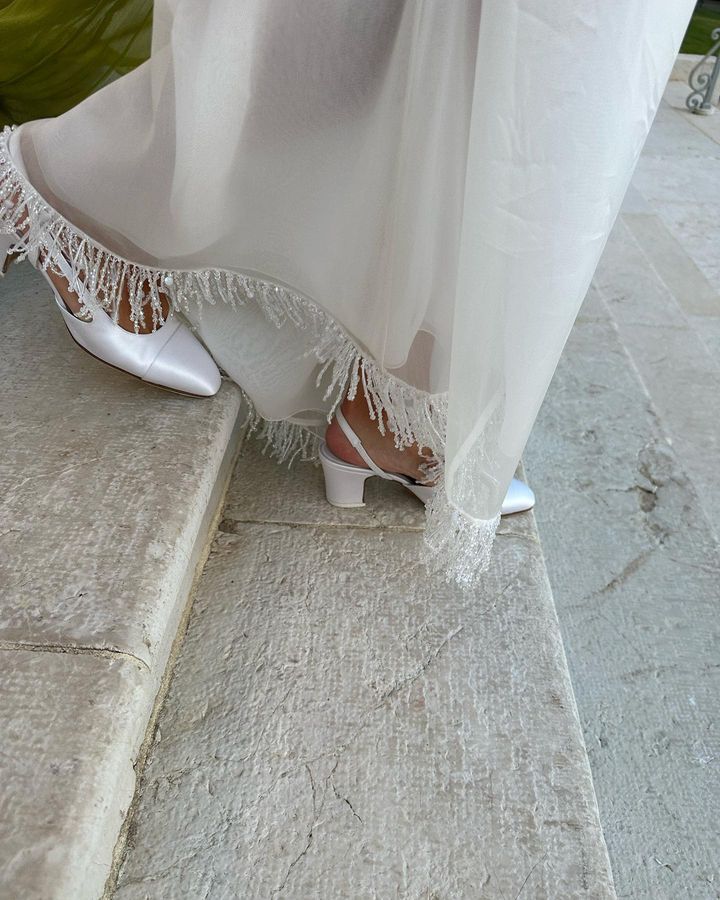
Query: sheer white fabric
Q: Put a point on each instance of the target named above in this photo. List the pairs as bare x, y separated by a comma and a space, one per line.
415, 191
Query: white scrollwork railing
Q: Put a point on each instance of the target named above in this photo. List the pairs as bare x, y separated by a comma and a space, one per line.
702, 81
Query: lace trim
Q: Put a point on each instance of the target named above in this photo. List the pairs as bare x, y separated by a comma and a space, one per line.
456, 544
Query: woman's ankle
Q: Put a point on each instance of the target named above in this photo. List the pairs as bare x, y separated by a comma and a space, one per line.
380, 447
124, 316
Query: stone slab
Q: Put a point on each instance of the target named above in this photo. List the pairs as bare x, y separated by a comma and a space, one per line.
634, 568
697, 230
678, 271
683, 65
108, 488
678, 181
677, 176
69, 738
709, 331
671, 137
342, 725
634, 202
631, 284
675, 364
103, 488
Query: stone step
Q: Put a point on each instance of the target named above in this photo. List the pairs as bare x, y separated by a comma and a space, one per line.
341, 725
107, 494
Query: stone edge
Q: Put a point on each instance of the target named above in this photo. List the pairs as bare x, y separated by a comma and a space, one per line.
173, 636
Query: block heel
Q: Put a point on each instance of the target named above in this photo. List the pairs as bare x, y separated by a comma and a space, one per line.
6, 257
344, 483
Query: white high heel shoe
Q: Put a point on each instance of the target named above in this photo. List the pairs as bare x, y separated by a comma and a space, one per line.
345, 483
6, 258
170, 357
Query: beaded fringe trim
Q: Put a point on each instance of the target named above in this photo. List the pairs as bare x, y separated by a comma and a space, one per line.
456, 545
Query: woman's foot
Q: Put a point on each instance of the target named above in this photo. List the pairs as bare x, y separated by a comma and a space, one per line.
380, 447
169, 357
345, 488
72, 301
124, 319
161, 351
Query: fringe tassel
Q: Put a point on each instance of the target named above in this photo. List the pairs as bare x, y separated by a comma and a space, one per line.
282, 440
455, 543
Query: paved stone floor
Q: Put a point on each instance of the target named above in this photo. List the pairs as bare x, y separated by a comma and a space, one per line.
624, 458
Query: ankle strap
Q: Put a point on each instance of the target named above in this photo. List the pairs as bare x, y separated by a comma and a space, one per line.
357, 444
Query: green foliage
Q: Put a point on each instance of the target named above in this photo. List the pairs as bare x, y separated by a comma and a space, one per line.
697, 38
56, 52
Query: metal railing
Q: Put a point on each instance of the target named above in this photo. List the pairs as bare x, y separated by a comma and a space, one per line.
704, 82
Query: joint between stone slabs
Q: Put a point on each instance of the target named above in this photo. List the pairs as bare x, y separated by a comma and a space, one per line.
233, 526
101, 652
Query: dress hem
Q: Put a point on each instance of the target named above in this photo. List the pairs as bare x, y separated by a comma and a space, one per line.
457, 544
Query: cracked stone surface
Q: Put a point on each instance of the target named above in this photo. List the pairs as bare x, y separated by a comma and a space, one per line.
676, 366
68, 744
634, 567
106, 489
341, 725
624, 461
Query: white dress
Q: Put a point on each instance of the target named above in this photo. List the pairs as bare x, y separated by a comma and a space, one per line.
402, 197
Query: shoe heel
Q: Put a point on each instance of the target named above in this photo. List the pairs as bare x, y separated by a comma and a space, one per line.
344, 484
6, 242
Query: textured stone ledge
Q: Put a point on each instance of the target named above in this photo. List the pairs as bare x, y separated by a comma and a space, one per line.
342, 726
106, 491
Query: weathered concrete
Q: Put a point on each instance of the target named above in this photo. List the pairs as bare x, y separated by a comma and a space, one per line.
634, 568
341, 725
107, 487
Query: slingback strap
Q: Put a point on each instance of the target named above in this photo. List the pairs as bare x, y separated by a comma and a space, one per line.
75, 285
357, 444
6, 258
